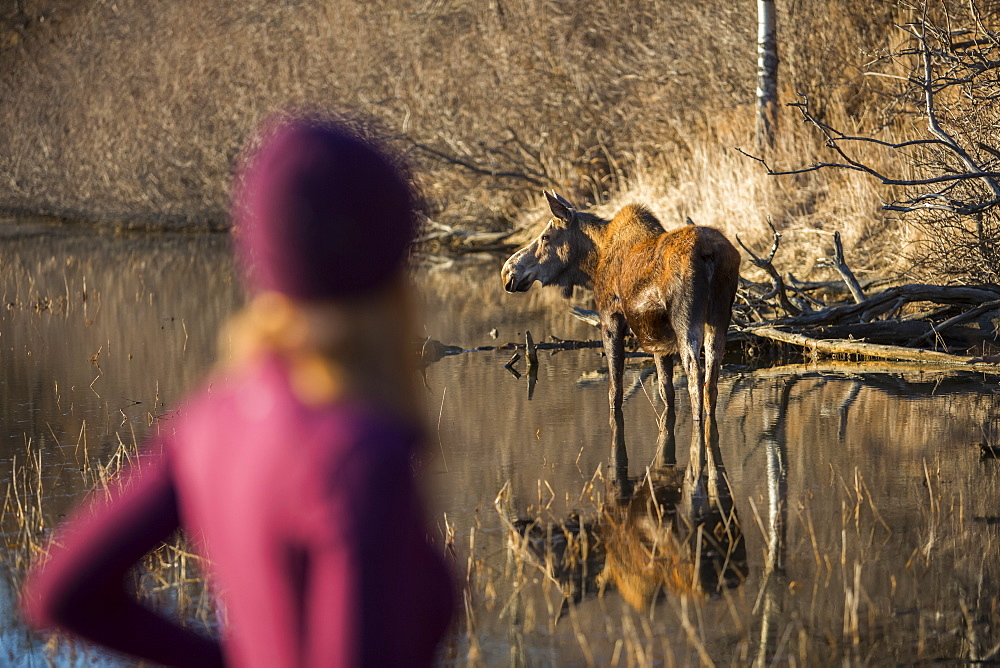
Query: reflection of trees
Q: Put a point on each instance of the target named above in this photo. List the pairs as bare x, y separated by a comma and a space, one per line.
770, 603
674, 529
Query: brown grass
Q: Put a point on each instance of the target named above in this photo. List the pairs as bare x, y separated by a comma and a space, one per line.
849, 593
134, 112
170, 577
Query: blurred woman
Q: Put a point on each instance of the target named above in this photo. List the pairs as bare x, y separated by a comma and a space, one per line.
290, 469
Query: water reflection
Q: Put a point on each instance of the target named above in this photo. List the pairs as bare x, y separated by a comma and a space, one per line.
770, 604
673, 529
859, 521
676, 528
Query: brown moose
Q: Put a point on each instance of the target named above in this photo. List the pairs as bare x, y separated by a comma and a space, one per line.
674, 290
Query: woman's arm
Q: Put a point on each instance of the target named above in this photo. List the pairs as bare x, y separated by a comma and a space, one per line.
81, 588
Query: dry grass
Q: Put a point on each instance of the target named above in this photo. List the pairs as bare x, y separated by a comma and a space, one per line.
170, 577
130, 112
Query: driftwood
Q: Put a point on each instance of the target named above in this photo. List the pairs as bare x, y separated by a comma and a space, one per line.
850, 347
440, 238
777, 284
840, 264
898, 323
888, 326
885, 301
530, 351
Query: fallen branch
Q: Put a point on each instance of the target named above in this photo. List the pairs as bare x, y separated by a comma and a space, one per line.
589, 317
833, 286
848, 347
956, 320
914, 292
439, 236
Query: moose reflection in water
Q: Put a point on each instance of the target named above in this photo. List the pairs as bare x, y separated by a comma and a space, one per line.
674, 529
674, 290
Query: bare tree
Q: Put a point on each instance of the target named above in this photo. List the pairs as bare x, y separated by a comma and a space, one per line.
946, 77
767, 73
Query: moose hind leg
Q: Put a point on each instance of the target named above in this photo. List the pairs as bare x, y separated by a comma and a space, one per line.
715, 346
690, 350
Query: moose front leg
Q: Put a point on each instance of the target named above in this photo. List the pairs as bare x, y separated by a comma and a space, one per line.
613, 334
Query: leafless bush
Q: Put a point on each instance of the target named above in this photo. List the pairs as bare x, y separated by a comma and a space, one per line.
937, 144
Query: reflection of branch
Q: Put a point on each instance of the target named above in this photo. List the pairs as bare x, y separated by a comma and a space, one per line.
845, 406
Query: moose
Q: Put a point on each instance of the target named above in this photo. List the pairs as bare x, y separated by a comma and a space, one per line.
674, 290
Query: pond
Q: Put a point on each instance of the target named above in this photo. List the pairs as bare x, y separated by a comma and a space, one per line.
848, 514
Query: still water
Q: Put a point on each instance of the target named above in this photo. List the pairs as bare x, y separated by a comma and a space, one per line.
847, 516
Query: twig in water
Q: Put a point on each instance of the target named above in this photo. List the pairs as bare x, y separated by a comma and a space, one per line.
444, 459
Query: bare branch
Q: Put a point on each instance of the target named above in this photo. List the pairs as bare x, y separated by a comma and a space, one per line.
956, 320
486, 171
934, 126
777, 285
845, 272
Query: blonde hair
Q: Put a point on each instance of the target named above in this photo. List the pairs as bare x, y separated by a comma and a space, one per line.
360, 347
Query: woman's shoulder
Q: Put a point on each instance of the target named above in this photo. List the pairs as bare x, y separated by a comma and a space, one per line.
257, 399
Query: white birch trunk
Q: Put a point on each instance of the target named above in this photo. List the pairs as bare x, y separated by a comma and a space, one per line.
767, 73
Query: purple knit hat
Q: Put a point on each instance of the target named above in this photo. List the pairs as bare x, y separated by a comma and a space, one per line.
320, 214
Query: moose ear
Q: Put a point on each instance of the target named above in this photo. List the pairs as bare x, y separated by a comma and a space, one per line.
560, 208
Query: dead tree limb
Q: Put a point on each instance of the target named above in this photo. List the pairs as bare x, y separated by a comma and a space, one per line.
956, 320
479, 169
941, 294
881, 309
934, 126
777, 285
840, 264
848, 347
438, 236
589, 317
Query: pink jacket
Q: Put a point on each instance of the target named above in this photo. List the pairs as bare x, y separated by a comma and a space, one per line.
310, 518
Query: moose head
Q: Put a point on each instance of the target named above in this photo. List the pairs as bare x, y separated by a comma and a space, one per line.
555, 256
